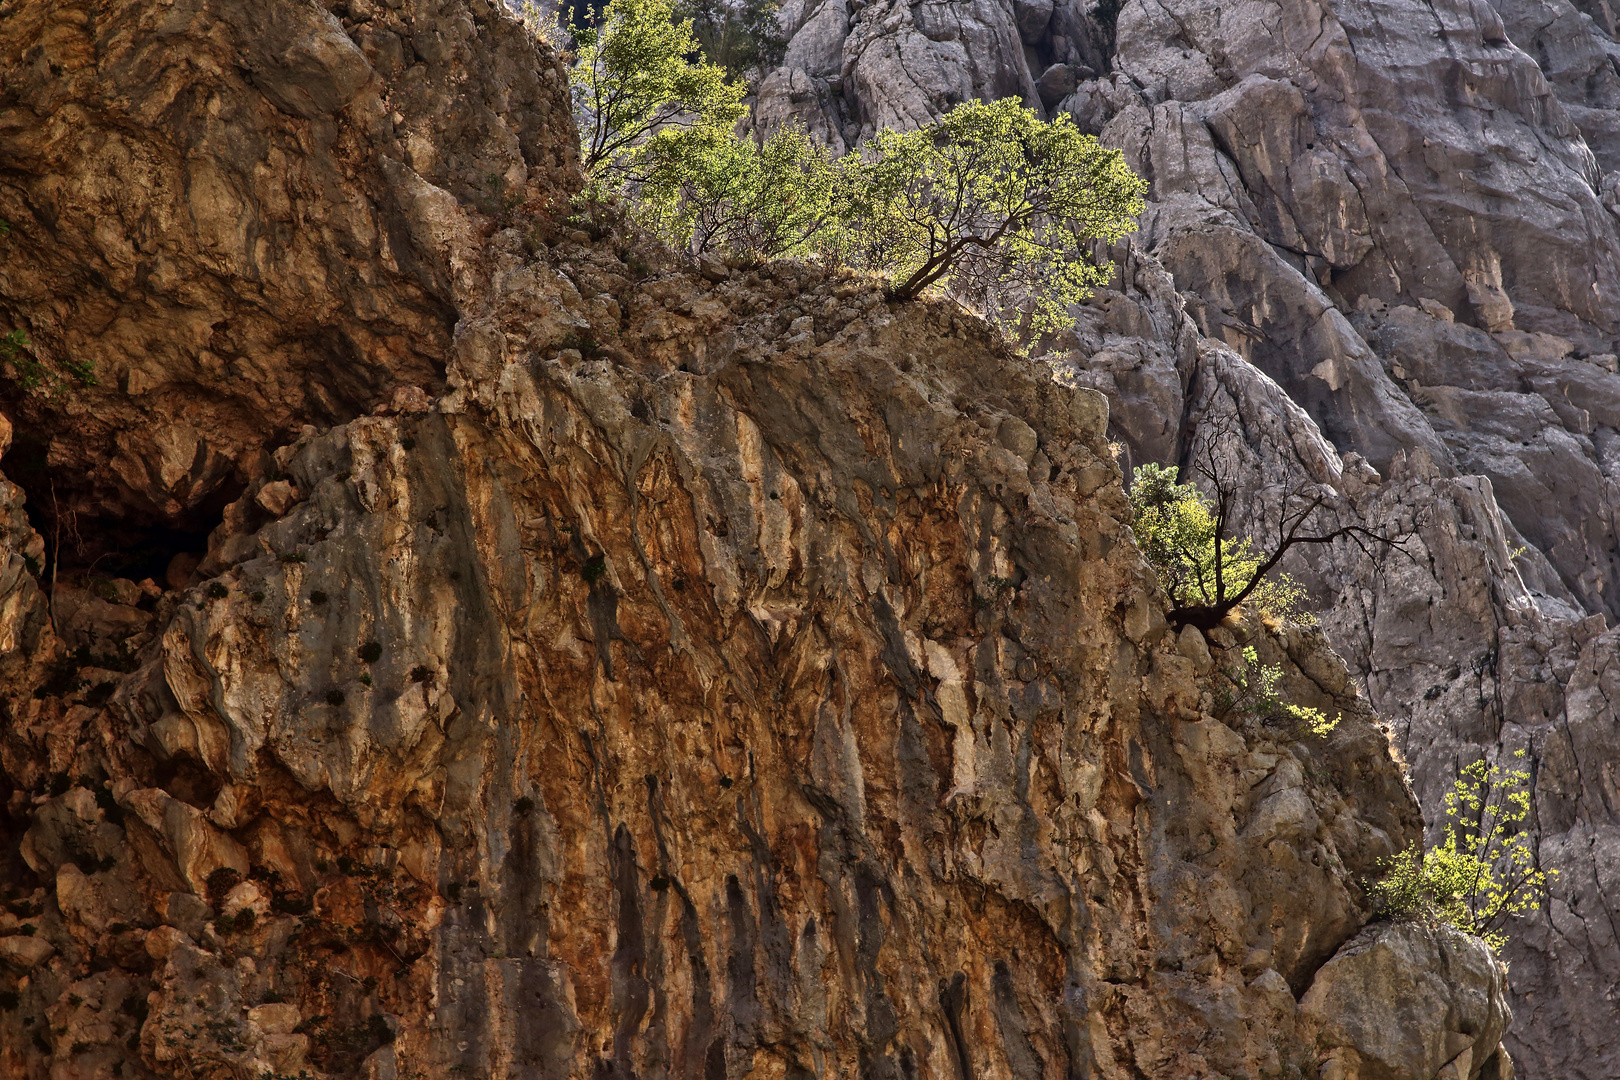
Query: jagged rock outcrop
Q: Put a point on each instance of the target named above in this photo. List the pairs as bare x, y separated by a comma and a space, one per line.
224, 214
630, 673
1399, 220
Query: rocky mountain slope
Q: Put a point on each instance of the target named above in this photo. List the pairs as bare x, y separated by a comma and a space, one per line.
1401, 215
442, 638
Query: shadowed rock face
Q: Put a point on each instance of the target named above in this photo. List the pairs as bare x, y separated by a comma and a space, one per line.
627, 673
227, 213
1398, 220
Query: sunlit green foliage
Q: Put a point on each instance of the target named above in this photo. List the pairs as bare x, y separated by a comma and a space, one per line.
634, 80
715, 192
1177, 529
1252, 689
1483, 872
996, 205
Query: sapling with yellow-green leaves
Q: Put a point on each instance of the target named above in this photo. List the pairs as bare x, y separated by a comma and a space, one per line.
1483, 873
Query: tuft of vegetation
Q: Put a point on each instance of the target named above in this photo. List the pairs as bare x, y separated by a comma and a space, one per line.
1251, 689
1483, 872
217, 591
370, 652
594, 569
334, 697
29, 372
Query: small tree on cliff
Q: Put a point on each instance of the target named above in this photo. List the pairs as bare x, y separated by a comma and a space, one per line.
637, 93
1205, 569
721, 193
1483, 872
995, 205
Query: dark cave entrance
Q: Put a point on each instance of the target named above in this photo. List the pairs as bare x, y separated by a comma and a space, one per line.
131, 545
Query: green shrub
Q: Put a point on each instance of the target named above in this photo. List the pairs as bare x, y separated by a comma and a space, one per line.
1483, 872
1252, 689
711, 191
1180, 530
29, 372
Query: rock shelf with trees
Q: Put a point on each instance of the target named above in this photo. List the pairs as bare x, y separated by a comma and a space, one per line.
765, 677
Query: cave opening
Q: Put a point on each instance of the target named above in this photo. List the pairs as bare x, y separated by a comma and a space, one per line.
128, 544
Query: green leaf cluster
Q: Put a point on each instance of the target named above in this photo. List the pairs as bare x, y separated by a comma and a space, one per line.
1177, 529
30, 373
1483, 872
997, 207
638, 95
1252, 689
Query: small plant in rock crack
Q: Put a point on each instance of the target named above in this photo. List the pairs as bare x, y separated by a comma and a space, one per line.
1483, 872
30, 372
1250, 689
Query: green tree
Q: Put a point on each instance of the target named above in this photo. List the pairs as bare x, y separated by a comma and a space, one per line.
1483, 872
996, 205
715, 192
634, 80
1205, 569
1204, 572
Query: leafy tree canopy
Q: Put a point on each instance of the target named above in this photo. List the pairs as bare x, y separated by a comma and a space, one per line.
633, 79
710, 191
994, 203
996, 206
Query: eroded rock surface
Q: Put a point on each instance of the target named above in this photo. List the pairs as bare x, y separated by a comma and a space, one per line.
1398, 219
643, 672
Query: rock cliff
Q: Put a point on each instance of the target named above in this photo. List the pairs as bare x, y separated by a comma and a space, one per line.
441, 637
1384, 230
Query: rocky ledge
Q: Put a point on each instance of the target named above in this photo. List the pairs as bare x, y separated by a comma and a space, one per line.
633, 670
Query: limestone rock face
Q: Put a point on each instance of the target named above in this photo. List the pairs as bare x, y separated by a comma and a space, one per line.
641, 669
225, 221
1384, 1012
1381, 248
